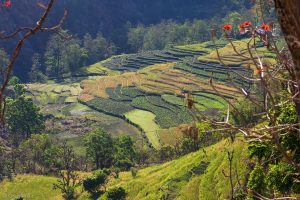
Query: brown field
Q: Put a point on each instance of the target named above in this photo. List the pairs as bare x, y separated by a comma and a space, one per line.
160, 78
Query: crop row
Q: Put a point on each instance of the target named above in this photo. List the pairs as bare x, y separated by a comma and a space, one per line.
109, 106
115, 94
133, 62
164, 117
158, 101
209, 101
132, 92
216, 74
221, 76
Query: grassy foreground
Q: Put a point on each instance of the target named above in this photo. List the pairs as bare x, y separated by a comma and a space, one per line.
29, 187
195, 176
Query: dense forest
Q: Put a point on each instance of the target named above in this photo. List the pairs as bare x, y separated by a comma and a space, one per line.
115, 20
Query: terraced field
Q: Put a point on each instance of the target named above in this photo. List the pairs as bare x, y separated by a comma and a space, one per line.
146, 90
146, 121
53, 93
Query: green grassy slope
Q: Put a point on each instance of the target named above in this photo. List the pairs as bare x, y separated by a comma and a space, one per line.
29, 187
194, 176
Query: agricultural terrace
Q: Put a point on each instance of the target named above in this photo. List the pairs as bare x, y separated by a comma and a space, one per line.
53, 93
243, 58
150, 84
158, 79
146, 120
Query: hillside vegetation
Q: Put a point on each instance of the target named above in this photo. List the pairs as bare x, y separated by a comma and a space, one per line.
194, 176
112, 18
116, 92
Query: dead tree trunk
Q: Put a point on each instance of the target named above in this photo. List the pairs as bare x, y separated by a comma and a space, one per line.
288, 12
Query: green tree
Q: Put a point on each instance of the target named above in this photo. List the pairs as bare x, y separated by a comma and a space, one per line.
116, 193
280, 177
99, 148
55, 62
36, 74
23, 117
69, 179
124, 154
14, 80
64, 57
257, 179
96, 182
197, 31
74, 55
136, 37
98, 48
33, 152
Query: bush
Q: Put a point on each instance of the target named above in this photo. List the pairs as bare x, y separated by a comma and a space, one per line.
117, 193
115, 171
133, 171
124, 164
246, 115
257, 179
261, 150
94, 183
166, 153
280, 177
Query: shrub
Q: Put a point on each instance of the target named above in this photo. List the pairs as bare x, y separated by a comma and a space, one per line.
124, 164
133, 171
246, 115
260, 150
94, 183
257, 179
280, 177
117, 193
115, 171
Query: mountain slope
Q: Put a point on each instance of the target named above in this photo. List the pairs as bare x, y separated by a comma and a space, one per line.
194, 176
109, 17
113, 93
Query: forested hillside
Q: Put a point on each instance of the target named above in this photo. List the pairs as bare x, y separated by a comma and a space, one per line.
112, 18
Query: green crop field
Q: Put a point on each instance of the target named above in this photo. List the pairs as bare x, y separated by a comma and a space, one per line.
115, 108
174, 99
165, 116
208, 101
146, 88
146, 120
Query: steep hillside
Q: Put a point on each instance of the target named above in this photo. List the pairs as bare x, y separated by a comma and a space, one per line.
144, 94
195, 176
109, 17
